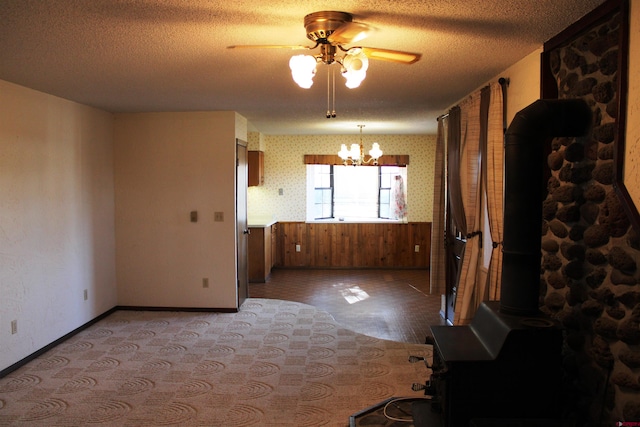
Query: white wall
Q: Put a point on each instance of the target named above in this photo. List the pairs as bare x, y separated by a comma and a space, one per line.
167, 165
56, 218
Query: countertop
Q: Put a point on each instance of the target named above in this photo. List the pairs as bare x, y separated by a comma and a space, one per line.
261, 223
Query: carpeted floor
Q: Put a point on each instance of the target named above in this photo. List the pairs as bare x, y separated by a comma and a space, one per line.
274, 363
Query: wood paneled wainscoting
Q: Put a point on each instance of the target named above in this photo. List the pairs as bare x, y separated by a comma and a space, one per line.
354, 245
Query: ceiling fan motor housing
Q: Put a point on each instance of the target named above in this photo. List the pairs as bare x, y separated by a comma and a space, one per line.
320, 25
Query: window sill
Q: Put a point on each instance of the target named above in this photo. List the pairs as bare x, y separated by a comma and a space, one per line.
358, 221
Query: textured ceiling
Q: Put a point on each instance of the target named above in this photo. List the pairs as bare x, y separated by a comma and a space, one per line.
171, 55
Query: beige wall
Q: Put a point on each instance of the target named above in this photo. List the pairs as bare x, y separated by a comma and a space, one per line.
167, 165
284, 168
56, 218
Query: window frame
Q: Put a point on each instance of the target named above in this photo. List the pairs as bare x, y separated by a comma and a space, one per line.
380, 190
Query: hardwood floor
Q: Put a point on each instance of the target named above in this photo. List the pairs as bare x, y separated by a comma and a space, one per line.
388, 304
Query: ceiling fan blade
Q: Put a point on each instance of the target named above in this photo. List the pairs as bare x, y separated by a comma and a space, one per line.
349, 32
268, 46
391, 55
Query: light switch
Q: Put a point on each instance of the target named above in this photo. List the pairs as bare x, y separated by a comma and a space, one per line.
194, 216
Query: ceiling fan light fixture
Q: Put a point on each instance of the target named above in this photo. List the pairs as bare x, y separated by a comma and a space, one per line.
331, 31
303, 69
354, 67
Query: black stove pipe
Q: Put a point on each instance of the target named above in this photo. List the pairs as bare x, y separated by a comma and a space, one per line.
525, 139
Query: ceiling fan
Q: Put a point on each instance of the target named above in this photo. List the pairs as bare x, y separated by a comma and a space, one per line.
331, 30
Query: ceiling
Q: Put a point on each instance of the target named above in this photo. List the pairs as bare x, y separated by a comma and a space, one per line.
171, 55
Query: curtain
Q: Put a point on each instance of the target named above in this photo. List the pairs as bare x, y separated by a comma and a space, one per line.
437, 272
398, 198
482, 282
494, 185
469, 176
453, 170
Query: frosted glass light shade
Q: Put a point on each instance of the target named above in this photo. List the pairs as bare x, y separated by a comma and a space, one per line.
344, 153
355, 64
375, 151
303, 69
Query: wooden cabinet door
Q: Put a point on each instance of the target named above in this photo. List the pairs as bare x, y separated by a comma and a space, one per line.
256, 254
256, 168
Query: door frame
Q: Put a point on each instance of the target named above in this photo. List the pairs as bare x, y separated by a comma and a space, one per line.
242, 229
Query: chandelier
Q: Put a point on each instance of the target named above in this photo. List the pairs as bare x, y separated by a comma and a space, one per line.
355, 155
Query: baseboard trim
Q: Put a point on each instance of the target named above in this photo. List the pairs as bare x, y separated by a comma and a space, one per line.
187, 309
51, 345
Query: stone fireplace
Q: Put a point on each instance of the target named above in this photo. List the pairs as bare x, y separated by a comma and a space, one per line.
590, 251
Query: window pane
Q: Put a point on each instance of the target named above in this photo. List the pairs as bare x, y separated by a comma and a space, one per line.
355, 192
389, 188
385, 196
384, 211
385, 179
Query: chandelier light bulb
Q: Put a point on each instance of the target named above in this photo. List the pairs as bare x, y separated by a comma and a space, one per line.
344, 153
375, 151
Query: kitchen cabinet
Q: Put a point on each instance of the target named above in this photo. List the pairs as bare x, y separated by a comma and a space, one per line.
261, 252
255, 162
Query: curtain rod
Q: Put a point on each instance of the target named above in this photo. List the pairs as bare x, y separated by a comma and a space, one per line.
504, 82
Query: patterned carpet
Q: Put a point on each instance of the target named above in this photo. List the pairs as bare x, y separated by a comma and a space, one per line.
274, 363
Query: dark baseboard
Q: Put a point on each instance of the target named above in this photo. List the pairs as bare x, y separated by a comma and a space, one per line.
48, 347
187, 309
60, 340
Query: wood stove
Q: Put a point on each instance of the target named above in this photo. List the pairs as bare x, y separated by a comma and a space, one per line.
506, 364
499, 366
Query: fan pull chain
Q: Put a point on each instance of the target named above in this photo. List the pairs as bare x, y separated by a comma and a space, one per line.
331, 113
328, 95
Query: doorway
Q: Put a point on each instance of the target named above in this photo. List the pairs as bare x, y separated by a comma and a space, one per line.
242, 229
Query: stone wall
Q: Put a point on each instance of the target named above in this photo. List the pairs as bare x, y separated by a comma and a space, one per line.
590, 251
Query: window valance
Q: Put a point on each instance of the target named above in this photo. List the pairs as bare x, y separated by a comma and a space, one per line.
334, 159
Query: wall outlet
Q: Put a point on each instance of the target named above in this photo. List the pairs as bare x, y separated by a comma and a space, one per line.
14, 327
218, 216
205, 282
86, 294
297, 248
417, 248
280, 191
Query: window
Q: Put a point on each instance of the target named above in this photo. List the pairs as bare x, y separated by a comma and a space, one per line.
351, 193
